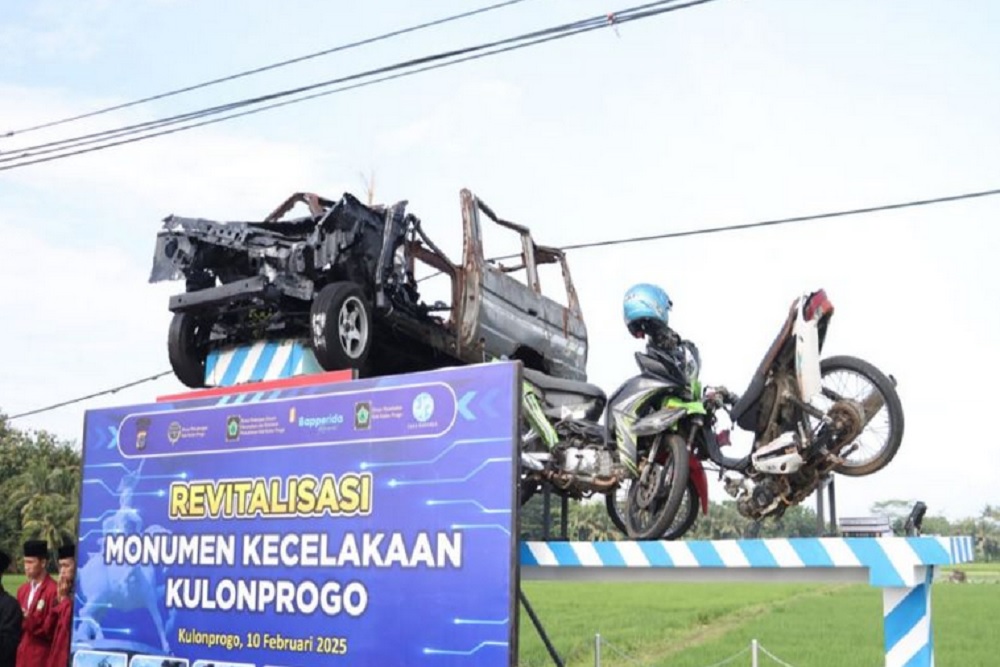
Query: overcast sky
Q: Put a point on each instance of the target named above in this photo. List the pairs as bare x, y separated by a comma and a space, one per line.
729, 112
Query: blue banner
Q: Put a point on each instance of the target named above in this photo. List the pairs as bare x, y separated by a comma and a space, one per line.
366, 523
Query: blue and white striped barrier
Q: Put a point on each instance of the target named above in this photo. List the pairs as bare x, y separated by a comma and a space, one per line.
264, 360
902, 566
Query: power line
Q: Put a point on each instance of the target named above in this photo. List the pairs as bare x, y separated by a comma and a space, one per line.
779, 221
61, 144
265, 68
103, 138
760, 223
479, 51
58, 145
97, 394
633, 239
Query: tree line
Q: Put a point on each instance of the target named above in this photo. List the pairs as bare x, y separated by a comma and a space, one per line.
40, 480
589, 521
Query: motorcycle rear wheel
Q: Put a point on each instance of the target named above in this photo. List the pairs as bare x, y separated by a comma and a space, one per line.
891, 405
664, 508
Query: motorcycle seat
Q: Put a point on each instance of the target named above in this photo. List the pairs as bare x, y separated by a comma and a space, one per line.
549, 383
743, 413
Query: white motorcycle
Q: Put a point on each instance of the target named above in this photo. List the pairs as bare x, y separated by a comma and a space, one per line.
806, 424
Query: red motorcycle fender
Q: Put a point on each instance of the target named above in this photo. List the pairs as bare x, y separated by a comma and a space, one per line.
697, 474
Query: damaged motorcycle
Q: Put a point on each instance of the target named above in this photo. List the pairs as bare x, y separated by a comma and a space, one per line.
564, 444
805, 425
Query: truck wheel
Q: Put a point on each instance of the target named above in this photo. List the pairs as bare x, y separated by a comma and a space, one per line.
186, 349
340, 321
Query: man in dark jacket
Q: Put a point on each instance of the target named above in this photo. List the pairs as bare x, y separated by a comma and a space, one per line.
10, 620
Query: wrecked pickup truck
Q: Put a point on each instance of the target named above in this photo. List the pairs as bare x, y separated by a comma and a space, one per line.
342, 279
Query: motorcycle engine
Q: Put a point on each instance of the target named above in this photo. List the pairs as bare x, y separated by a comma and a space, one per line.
585, 461
757, 500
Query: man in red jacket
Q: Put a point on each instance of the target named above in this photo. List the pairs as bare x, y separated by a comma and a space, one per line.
36, 596
60, 621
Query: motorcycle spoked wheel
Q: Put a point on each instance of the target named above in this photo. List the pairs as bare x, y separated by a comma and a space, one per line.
652, 506
686, 517
854, 465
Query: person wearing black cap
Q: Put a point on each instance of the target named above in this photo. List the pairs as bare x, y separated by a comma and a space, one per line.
61, 618
36, 596
10, 620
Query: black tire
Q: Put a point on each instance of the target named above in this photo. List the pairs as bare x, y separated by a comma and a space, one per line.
891, 403
187, 350
678, 528
340, 324
664, 508
616, 518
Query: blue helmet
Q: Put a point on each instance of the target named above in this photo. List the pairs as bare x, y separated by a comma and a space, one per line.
646, 306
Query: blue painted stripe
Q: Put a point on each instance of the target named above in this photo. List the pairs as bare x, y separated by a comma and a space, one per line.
705, 553
210, 363
921, 658
656, 553
235, 364
294, 357
930, 552
609, 554
881, 571
564, 553
930, 629
264, 361
812, 552
527, 558
757, 553
907, 614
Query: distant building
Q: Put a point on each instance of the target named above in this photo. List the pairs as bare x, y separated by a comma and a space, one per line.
865, 526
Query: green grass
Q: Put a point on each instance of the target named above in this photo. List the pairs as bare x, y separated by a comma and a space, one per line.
11, 582
640, 620
693, 625
976, 573
974, 567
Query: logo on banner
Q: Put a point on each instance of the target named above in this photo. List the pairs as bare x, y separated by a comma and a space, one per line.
423, 407
232, 428
141, 430
363, 415
174, 432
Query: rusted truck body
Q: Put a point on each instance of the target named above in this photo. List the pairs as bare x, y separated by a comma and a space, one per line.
343, 279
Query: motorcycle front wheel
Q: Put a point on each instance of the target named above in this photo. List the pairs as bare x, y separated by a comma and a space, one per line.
652, 505
687, 514
845, 377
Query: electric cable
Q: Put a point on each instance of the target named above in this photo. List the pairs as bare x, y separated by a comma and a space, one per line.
265, 68
633, 239
479, 51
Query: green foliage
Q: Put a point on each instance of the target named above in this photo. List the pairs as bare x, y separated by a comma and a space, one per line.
589, 521
40, 483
